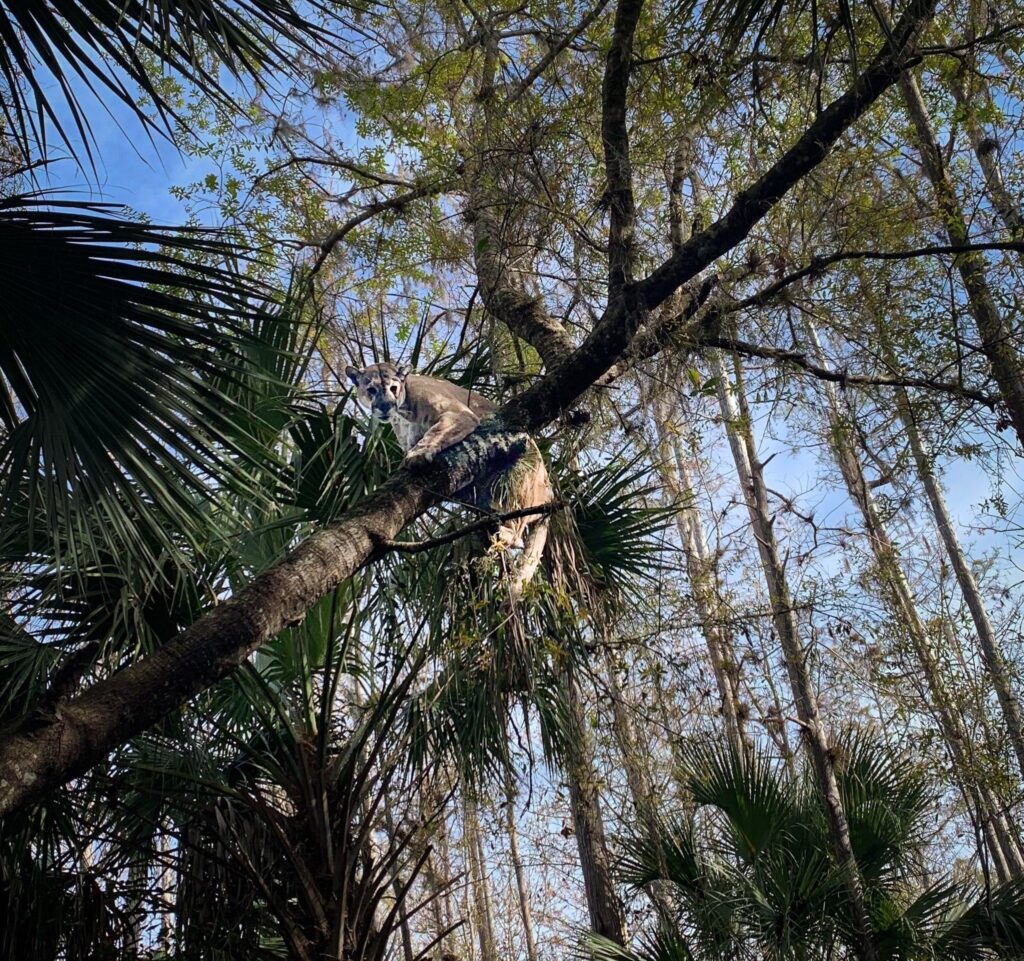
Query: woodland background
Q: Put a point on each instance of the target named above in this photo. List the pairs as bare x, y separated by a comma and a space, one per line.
750, 273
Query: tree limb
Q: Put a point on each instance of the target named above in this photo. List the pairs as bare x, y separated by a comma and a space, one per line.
615, 140
820, 263
799, 359
391, 203
417, 547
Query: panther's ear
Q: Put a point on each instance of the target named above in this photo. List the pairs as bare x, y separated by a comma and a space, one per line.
402, 370
353, 374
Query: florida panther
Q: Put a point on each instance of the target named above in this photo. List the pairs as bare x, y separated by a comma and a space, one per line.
429, 415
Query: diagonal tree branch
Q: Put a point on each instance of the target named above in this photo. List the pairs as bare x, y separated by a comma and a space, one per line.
626, 314
820, 263
843, 377
86, 728
399, 202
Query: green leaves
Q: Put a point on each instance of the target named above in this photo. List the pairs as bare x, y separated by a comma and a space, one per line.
750, 871
117, 343
618, 533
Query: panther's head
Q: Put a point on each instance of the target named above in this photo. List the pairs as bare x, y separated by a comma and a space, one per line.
381, 387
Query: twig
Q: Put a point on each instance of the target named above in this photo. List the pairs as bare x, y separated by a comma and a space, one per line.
415, 547
818, 264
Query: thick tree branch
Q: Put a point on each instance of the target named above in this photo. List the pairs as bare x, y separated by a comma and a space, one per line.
627, 313
86, 728
524, 314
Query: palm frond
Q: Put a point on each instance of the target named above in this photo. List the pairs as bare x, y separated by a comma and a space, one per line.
617, 532
759, 805
51, 51
885, 795
990, 925
666, 851
662, 945
113, 336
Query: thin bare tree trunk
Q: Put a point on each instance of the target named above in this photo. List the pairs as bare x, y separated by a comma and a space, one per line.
437, 870
478, 880
700, 571
755, 493
896, 589
986, 148
639, 782
607, 916
396, 886
517, 866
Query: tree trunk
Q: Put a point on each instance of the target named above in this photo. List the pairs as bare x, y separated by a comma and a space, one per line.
900, 599
749, 471
700, 570
437, 869
519, 870
638, 780
478, 879
986, 148
607, 916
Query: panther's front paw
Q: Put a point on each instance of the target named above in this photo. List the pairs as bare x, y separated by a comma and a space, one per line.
419, 457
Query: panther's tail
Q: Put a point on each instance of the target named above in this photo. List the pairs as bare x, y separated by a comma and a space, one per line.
528, 486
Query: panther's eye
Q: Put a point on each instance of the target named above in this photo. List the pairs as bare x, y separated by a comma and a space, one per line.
372, 391
394, 389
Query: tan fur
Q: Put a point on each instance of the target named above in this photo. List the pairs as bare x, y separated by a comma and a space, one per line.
429, 415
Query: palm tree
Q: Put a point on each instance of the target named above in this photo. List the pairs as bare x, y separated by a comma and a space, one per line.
752, 875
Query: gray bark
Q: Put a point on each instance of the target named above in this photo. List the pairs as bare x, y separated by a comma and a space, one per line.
522, 888
986, 148
988, 641
479, 883
701, 575
639, 782
607, 916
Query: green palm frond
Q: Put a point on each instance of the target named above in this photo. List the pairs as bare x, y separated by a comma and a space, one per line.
113, 336
761, 807
662, 945
885, 796
618, 533
986, 924
666, 851
52, 50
